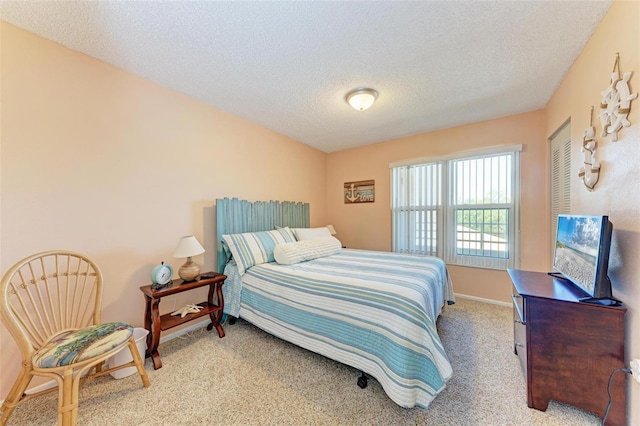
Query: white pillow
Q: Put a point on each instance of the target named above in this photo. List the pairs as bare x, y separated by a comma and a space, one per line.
311, 233
300, 251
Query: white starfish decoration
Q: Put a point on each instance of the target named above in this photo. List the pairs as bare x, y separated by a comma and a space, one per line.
187, 309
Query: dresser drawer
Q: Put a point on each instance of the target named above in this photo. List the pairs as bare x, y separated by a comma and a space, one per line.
520, 339
520, 331
518, 307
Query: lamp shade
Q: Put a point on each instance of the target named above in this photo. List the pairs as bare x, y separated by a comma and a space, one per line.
332, 229
362, 98
188, 246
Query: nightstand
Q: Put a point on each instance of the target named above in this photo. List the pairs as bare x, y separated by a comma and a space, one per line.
156, 323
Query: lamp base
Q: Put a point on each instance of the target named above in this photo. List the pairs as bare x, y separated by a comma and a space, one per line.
189, 271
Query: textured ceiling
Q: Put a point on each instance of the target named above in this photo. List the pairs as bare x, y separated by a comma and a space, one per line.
288, 65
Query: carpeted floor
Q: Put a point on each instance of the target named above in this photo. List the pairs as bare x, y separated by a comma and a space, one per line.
252, 378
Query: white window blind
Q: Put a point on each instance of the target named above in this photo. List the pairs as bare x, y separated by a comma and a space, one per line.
417, 209
463, 209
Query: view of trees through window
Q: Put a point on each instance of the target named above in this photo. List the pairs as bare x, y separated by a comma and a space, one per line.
482, 232
482, 201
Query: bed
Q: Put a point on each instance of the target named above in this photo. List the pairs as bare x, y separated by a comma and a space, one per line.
374, 311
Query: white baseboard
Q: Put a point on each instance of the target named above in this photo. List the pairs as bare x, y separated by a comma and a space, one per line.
483, 300
163, 338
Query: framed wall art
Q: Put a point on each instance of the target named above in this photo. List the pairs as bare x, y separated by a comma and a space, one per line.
362, 191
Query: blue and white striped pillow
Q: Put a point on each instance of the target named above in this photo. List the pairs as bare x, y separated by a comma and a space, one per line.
255, 248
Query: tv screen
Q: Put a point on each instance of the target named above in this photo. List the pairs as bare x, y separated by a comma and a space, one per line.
582, 253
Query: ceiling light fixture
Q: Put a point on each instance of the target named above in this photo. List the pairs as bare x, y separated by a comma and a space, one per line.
361, 98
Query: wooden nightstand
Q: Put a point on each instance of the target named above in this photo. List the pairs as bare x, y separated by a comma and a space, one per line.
156, 323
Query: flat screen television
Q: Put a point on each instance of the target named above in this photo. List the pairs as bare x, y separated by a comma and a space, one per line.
581, 255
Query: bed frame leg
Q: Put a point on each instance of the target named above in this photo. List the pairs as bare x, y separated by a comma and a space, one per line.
232, 320
363, 380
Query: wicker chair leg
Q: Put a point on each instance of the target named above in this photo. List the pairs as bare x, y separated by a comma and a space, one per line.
133, 348
75, 395
66, 405
15, 394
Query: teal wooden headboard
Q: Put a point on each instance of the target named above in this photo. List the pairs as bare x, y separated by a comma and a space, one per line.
235, 216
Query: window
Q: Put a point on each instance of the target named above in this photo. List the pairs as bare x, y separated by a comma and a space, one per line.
463, 209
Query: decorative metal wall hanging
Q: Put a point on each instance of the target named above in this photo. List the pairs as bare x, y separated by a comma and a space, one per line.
616, 103
590, 172
359, 192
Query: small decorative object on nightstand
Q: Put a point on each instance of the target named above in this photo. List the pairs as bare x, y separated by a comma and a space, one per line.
187, 247
161, 275
187, 309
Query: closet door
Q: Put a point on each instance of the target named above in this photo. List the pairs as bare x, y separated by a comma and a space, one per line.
560, 177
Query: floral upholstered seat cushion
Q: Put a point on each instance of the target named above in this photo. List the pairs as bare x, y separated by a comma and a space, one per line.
78, 345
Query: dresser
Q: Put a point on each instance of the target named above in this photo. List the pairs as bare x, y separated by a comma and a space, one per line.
567, 349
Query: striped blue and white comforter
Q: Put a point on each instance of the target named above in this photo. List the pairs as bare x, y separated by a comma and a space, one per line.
375, 311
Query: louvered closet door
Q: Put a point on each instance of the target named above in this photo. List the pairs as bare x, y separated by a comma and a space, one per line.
560, 177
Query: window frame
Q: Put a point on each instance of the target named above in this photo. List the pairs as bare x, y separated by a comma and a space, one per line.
446, 221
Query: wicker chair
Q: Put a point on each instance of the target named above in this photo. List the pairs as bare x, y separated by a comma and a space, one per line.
50, 302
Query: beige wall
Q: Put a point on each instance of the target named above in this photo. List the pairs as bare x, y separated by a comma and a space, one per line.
104, 162
617, 193
368, 225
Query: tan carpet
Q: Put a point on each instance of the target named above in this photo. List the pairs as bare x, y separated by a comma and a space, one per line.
252, 378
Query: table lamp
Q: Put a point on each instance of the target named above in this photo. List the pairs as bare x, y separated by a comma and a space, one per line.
188, 246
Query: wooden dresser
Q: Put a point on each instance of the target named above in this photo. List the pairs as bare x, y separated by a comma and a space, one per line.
567, 349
